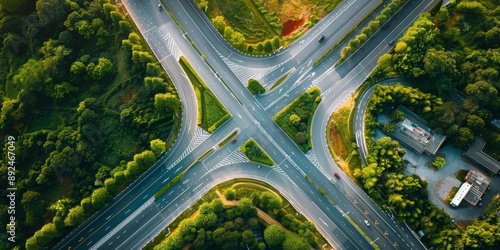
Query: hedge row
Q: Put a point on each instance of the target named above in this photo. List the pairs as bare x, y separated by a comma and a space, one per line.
370, 29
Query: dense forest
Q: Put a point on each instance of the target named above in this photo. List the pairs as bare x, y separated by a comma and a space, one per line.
452, 58
89, 106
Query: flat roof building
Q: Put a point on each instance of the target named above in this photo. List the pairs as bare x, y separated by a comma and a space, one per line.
414, 132
479, 182
475, 154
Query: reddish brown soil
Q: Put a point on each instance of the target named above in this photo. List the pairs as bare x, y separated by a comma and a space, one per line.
129, 93
291, 25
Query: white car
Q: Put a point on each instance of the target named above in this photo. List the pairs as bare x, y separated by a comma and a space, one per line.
367, 222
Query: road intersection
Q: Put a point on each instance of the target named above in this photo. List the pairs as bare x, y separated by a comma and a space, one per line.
134, 217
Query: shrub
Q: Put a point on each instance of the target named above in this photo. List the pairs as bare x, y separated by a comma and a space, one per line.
255, 87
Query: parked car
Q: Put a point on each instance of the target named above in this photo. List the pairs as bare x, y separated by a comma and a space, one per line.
336, 175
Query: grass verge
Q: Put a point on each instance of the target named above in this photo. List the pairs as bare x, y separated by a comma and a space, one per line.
255, 152
211, 112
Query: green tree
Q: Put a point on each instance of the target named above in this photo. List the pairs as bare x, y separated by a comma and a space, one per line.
86, 204
100, 197
103, 68
294, 119
397, 116
268, 46
475, 123
388, 128
439, 162
145, 160
50, 11
76, 216
247, 208
270, 202
33, 206
295, 242
219, 23
482, 92
274, 236
301, 137
158, 146
111, 185
166, 102
248, 238
230, 194
464, 137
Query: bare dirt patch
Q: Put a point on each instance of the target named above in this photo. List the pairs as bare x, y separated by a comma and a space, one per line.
291, 26
127, 96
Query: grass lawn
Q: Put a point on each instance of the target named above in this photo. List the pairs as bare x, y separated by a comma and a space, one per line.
341, 139
255, 153
211, 111
303, 107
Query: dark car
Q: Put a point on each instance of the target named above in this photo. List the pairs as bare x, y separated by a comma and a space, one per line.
336, 175
233, 140
321, 38
159, 7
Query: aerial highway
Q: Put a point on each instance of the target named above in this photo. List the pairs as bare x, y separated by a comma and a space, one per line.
134, 217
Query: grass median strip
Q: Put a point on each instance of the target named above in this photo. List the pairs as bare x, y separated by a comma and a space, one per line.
169, 185
228, 138
277, 83
201, 158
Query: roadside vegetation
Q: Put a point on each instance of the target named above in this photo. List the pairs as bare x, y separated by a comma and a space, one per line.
347, 34
370, 29
89, 105
295, 119
211, 112
236, 224
260, 27
255, 87
255, 153
340, 138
